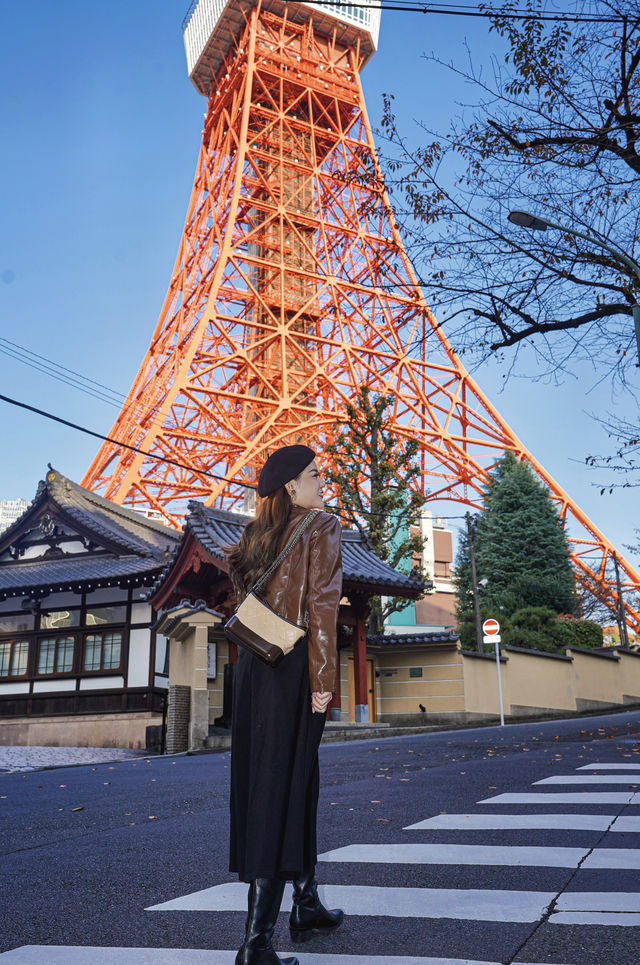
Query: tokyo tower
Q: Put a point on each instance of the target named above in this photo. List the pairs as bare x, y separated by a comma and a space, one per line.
291, 288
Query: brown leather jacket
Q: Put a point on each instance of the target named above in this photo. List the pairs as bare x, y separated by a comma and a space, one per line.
310, 577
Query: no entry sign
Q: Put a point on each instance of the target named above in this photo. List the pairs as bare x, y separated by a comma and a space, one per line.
491, 628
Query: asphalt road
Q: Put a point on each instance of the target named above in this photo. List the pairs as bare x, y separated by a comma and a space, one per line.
88, 851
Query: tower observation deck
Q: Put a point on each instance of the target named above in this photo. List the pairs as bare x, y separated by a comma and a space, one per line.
211, 28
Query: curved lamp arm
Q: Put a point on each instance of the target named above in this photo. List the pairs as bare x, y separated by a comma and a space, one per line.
537, 223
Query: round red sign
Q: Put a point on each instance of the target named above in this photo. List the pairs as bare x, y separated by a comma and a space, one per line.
490, 628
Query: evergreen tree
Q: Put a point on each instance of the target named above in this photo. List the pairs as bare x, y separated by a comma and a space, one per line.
521, 548
369, 456
465, 616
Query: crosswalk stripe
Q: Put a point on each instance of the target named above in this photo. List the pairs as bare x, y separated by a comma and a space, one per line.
574, 797
96, 955
615, 901
479, 904
558, 822
621, 858
594, 918
476, 854
590, 779
485, 854
620, 767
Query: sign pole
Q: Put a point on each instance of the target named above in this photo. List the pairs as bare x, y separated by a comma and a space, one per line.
499, 680
491, 634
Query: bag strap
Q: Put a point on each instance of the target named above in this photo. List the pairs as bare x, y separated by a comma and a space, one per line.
303, 525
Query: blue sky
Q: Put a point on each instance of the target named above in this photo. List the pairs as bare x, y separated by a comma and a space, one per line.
100, 131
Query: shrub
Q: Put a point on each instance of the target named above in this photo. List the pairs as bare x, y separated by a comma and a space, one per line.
580, 633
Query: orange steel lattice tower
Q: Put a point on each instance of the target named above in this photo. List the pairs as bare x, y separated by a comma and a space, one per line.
291, 288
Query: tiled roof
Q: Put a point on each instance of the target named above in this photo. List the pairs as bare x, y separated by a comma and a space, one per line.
213, 527
57, 574
137, 547
184, 609
131, 531
394, 639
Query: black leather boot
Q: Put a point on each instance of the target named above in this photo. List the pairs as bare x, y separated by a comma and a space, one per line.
265, 898
308, 914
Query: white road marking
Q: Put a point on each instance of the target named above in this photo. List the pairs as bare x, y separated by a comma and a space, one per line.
616, 901
621, 767
626, 823
476, 854
559, 822
96, 955
622, 858
476, 904
574, 797
594, 918
590, 779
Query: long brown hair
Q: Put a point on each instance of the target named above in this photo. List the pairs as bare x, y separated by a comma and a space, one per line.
259, 544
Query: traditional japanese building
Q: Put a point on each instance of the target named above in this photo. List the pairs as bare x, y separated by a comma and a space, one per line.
79, 663
197, 574
85, 584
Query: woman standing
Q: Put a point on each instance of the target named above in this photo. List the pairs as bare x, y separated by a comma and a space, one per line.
279, 712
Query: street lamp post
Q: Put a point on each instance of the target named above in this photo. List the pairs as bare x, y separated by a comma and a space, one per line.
537, 223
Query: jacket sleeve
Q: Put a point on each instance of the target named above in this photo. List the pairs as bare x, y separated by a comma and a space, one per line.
324, 591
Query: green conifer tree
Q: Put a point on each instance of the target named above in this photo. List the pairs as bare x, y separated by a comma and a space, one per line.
521, 548
373, 476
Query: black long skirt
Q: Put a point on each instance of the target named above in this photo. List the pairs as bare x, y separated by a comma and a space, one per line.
275, 777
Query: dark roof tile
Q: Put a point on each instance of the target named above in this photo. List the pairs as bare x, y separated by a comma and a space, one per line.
213, 527
59, 573
395, 639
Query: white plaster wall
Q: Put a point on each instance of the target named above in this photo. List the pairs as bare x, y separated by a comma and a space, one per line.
139, 656
101, 683
46, 686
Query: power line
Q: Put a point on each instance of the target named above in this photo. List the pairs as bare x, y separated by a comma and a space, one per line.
60, 372
72, 378
474, 11
152, 455
115, 442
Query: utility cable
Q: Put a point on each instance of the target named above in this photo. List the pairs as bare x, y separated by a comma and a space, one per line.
152, 455
461, 11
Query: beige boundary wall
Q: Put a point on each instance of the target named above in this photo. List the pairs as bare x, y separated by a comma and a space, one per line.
462, 686
409, 675
79, 730
535, 682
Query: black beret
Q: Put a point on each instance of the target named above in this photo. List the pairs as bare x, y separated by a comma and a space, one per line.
281, 466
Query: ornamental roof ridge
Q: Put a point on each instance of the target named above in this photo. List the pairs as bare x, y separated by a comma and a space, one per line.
120, 524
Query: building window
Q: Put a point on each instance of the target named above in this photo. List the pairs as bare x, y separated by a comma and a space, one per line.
14, 658
55, 619
102, 651
55, 655
99, 615
16, 622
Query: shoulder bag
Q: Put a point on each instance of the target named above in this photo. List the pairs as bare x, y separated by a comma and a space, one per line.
257, 627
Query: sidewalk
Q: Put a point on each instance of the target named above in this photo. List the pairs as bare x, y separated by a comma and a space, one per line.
14, 758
